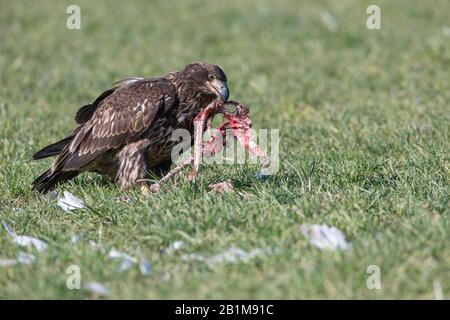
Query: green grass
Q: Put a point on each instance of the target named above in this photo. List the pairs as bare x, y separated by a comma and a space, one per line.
364, 125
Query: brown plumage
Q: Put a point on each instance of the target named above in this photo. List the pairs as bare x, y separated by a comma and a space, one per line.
126, 132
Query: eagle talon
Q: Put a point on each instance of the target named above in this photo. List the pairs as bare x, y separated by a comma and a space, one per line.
192, 177
145, 189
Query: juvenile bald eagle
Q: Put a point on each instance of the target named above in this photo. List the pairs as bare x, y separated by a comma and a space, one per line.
126, 132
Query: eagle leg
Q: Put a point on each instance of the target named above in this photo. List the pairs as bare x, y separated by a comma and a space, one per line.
155, 187
133, 168
145, 189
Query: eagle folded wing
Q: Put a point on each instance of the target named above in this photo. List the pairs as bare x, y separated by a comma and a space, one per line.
85, 113
121, 118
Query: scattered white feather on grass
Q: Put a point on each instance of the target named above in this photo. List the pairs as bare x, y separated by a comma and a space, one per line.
53, 194
25, 258
230, 255
325, 237
175, 246
69, 202
94, 245
97, 288
446, 31
25, 241
22, 258
8, 262
145, 266
76, 238
126, 261
437, 287
329, 20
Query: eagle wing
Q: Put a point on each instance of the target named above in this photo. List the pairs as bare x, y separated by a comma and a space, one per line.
121, 117
85, 113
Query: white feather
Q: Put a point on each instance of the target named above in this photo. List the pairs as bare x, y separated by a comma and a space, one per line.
70, 202
25, 241
325, 237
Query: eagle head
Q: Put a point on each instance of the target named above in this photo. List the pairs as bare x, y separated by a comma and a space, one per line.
209, 79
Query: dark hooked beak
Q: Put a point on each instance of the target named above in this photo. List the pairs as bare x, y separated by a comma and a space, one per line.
221, 89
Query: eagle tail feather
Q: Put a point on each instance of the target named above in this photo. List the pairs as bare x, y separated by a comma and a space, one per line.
48, 180
53, 149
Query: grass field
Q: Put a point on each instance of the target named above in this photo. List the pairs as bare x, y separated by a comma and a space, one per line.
364, 145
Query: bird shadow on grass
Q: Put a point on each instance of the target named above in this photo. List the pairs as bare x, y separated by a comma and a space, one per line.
282, 185
88, 183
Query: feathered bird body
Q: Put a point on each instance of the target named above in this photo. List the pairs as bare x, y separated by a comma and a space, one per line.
126, 132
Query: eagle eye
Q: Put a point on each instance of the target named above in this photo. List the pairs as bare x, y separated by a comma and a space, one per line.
210, 77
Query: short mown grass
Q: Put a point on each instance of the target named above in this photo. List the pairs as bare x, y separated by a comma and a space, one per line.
364, 126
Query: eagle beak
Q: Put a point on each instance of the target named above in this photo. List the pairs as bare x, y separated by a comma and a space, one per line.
220, 88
